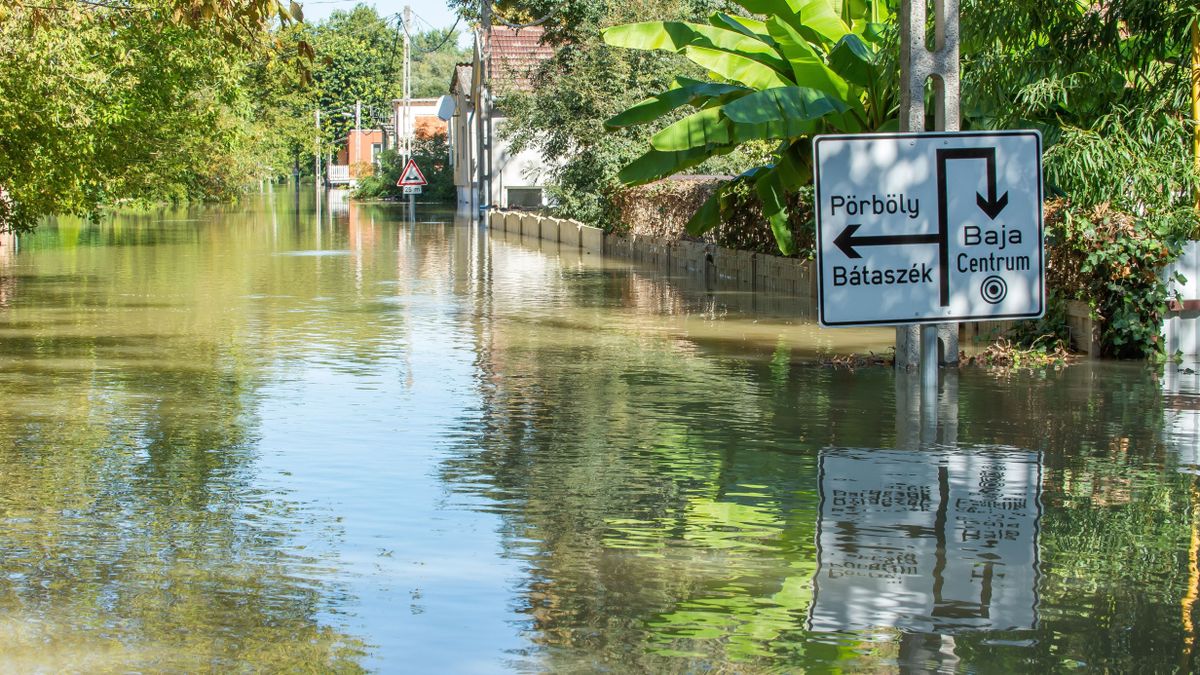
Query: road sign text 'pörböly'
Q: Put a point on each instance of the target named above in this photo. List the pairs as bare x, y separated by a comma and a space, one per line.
927, 228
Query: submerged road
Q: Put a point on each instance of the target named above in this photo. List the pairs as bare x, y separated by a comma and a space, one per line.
274, 436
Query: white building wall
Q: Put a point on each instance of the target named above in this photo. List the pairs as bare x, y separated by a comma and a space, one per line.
524, 169
462, 154
419, 107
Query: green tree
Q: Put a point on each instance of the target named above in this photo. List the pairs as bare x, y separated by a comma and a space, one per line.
106, 102
435, 53
1108, 85
358, 59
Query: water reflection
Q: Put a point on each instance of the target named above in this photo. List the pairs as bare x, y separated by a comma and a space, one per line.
334, 436
675, 499
932, 541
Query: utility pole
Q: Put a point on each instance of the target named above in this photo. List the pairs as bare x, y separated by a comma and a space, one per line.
405, 140
354, 150
482, 128
406, 111
919, 344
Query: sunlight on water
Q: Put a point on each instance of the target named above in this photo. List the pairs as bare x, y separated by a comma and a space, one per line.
276, 437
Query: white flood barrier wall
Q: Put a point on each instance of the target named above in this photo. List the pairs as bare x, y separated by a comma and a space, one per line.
1182, 326
927, 541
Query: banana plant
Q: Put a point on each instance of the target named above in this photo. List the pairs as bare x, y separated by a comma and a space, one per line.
804, 67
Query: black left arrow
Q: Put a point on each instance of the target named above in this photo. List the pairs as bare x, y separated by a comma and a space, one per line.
847, 241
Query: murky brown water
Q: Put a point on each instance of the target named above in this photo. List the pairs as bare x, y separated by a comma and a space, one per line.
246, 438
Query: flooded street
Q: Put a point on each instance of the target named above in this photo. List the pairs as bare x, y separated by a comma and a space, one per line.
280, 437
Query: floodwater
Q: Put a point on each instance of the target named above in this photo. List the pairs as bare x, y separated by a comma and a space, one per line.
272, 437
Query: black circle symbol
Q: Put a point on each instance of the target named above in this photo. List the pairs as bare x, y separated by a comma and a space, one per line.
993, 290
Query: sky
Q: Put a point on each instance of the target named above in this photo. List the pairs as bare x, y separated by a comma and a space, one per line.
427, 12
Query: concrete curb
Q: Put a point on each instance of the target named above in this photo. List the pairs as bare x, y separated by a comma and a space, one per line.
732, 268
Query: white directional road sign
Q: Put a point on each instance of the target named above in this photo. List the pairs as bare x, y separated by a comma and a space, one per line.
926, 228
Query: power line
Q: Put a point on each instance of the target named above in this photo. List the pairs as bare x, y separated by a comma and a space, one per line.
449, 34
392, 59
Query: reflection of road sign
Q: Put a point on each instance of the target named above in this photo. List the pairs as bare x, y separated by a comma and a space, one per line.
924, 228
412, 189
411, 175
927, 541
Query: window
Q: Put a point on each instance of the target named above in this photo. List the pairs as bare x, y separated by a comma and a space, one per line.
525, 198
376, 148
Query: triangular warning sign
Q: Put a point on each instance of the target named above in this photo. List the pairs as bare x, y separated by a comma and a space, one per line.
411, 175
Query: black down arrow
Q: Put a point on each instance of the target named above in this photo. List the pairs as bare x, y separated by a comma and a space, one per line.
991, 204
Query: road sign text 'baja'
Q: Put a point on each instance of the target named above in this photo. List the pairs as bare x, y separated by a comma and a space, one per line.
928, 228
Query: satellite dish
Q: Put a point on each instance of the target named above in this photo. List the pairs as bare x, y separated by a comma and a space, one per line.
445, 108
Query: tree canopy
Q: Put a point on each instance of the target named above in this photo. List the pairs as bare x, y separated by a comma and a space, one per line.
109, 101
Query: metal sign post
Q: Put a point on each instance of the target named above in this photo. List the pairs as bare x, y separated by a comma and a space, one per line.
922, 229
917, 65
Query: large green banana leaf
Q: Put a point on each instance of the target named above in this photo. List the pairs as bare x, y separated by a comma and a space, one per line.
788, 9
808, 67
657, 164
742, 24
773, 196
688, 92
782, 112
674, 36
706, 127
854, 60
820, 21
738, 68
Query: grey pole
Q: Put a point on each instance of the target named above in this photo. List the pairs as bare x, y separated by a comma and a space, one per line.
483, 123
408, 127
917, 65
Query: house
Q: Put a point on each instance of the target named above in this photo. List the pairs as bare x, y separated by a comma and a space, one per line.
358, 151
487, 172
422, 118
356, 156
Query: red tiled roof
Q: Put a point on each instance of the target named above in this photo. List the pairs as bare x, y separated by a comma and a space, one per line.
515, 54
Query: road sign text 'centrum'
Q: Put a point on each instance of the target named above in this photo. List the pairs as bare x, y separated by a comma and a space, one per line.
927, 228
